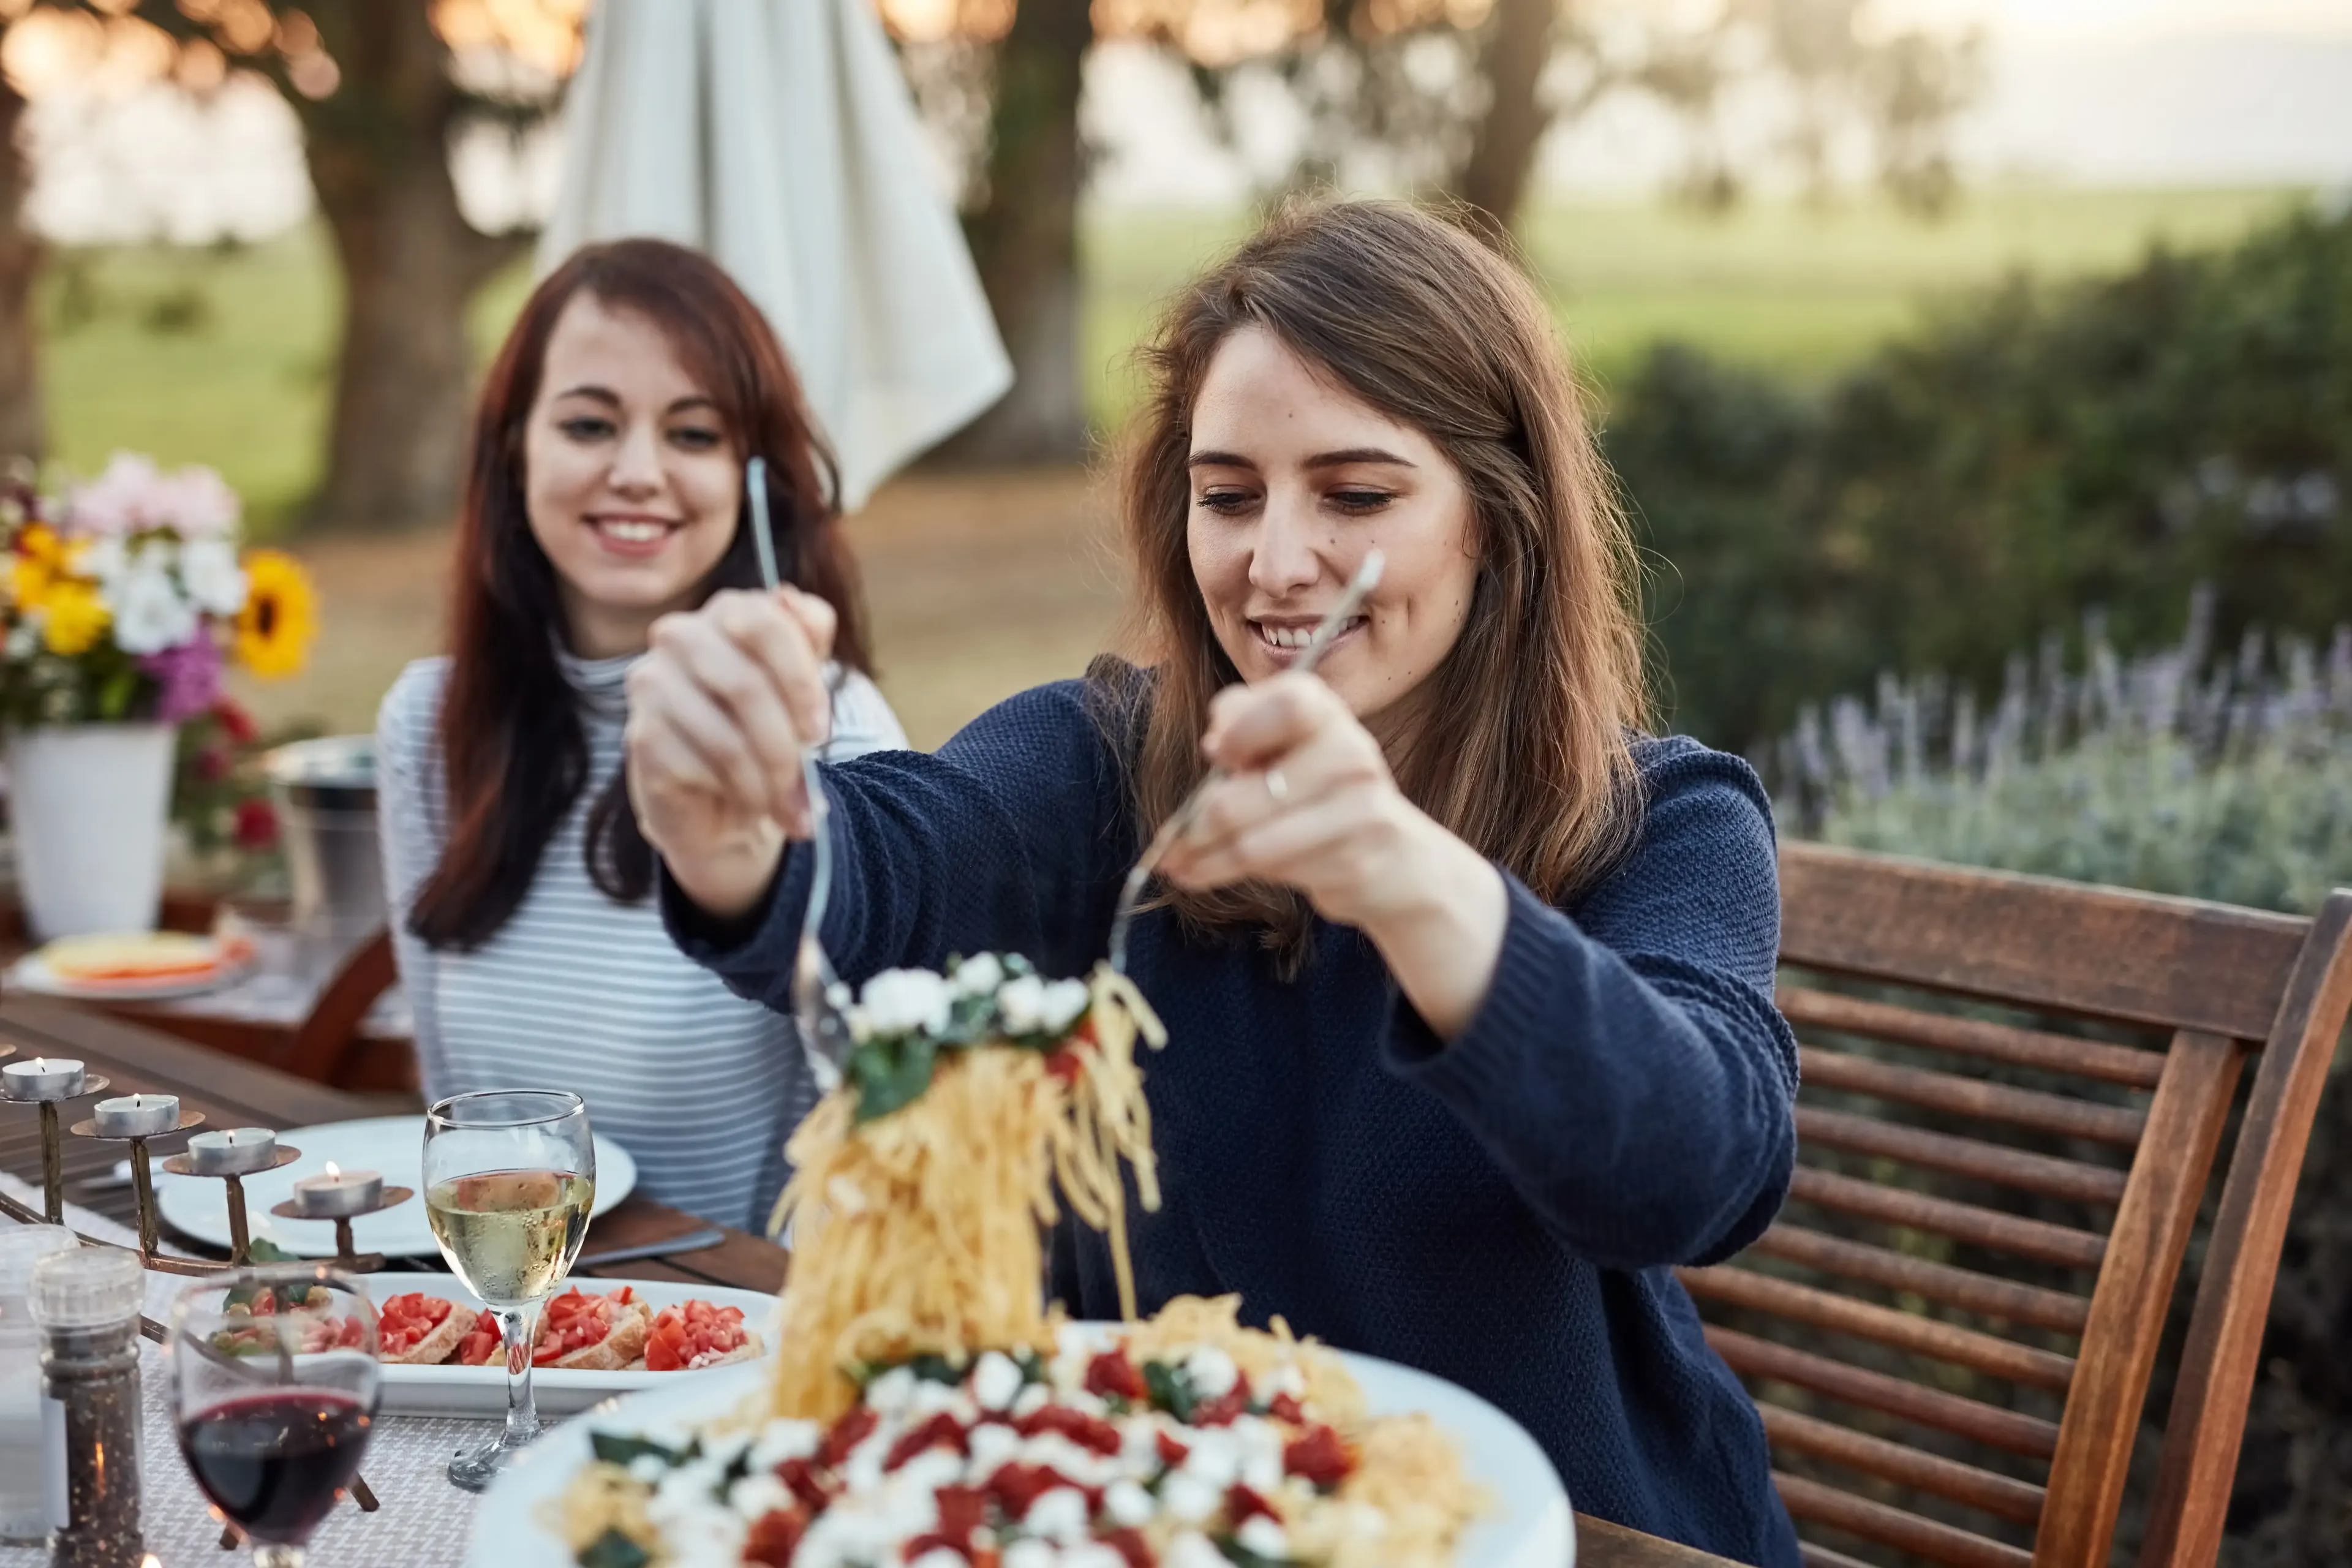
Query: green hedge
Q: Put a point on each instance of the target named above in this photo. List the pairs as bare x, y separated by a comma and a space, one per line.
2037, 451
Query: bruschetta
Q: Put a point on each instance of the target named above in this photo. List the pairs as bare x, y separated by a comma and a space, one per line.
417, 1330
593, 1333
693, 1335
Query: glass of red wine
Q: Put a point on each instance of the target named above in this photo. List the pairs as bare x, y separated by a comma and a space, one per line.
273, 1380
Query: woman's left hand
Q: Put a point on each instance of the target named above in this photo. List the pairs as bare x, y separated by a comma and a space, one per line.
1309, 803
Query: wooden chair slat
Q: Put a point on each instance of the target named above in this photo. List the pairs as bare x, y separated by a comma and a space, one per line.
2013, 1431
1972, 1097
1879, 1521
2219, 1358
1964, 1288
2036, 941
2004, 1496
2125, 1064
1987, 1353
2037, 1240
1818, 1556
1962, 1156
2135, 1290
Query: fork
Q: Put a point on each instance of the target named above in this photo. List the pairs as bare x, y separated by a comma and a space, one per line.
1367, 578
818, 995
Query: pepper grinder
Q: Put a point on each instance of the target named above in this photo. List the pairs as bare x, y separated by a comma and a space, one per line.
85, 1303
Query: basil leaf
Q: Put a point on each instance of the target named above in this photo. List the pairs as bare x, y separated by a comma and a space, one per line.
1170, 1389
891, 1073
619, 1448
1241, 1556
613, 1550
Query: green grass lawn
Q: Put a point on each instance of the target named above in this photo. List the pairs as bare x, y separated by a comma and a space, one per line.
225, 356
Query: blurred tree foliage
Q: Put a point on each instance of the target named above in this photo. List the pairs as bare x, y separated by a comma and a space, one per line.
2036, 452
1446, 96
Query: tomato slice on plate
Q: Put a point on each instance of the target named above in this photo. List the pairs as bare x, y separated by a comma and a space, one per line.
694, 1332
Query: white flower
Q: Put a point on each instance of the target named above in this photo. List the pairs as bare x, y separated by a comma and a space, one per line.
148, 613
103, 558
977, 977
1021, 1004
905, 1001
214, 580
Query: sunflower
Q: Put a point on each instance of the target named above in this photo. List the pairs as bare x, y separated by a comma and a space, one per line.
280, 615
72, 615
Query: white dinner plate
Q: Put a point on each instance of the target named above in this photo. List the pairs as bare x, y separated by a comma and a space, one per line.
394, 1145
1531, 1525
30, 974
559, 1391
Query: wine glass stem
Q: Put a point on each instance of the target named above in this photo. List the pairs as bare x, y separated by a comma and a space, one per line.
517, 1326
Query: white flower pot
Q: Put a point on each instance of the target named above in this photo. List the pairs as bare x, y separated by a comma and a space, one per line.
89, 804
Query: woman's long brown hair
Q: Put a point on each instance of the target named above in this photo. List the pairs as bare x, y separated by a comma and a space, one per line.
1522, 746
512, 742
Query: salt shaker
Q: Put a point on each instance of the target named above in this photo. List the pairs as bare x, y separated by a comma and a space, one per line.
32, 1427
87, 1305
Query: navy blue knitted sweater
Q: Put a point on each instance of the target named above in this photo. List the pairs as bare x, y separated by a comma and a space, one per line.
1503, 1211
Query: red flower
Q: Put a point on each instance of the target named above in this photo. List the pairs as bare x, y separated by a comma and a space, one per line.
257, 824
237, 724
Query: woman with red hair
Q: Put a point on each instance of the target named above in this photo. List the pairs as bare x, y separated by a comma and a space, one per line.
605, 489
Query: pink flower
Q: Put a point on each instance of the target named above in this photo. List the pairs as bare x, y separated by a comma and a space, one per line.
133, 496
187, 678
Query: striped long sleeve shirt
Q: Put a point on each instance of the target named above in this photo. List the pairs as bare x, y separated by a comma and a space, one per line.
579, 992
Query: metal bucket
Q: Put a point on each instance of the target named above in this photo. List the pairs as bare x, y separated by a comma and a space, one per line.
324, 791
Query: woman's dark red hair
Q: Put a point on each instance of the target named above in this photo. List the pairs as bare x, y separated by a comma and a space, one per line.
512, 740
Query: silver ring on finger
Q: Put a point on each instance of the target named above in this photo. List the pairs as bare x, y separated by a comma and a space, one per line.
1277, 788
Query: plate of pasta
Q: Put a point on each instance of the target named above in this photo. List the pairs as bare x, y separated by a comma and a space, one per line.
926, 1406
1319, 1457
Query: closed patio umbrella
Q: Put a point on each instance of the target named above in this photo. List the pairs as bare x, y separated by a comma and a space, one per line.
779, 137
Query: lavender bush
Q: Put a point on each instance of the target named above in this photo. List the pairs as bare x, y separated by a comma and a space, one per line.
2174, 773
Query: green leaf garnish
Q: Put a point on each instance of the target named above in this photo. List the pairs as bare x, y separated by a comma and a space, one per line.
1170, 1388
891, 1073
613, 1550
619, 1448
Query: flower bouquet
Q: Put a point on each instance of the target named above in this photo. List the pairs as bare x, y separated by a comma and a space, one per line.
122, 601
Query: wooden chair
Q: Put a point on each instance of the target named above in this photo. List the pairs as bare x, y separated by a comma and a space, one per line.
1993, 1350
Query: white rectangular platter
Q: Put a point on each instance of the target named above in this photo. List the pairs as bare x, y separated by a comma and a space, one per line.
482, 1390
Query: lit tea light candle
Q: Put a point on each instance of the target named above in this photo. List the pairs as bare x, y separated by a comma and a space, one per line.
43, 1077
137, 1115
236, 1151
338, 1194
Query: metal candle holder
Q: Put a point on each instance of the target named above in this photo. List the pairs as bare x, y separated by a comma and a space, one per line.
346, 1258
53, 1159
240, 1238
142, 1183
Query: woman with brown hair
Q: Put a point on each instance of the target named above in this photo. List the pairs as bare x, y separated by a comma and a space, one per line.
1468, 983
605, 489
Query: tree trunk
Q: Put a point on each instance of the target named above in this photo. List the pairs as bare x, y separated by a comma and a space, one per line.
379, 158
1503, 152
1024, 241
24, 431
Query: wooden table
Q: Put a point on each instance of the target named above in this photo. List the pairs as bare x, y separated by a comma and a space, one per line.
234, 1093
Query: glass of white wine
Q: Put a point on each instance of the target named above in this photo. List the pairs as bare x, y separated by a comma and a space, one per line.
509, 1178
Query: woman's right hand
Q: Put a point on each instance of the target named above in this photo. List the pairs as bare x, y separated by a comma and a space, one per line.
719, 709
